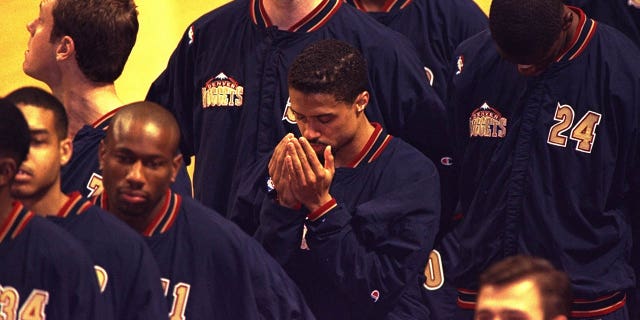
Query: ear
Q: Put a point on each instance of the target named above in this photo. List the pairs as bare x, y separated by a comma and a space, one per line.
66, 151
102, 152
567, 18
176, 162
362, 100
66, 49
8, 170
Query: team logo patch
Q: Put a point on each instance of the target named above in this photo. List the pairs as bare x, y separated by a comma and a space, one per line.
446, 161
222, 91
375, 295
635, 3
287, 115
429, 74
487, 122
460, 64
191, 34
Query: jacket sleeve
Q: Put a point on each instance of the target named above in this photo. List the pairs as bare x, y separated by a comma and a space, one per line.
373, 253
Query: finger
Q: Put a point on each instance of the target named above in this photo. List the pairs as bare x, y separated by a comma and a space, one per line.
310, 175
314, 162
279, 152
296, 169
329, 161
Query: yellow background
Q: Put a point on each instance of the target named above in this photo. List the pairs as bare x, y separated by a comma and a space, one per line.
162, 22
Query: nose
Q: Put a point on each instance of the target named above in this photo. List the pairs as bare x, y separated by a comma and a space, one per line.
310, 132
30, 27
135, 176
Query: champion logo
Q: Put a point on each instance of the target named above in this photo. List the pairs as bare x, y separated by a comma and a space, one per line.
375, 295
446, 161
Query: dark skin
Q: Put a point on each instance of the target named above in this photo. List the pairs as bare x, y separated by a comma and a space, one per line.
536, 63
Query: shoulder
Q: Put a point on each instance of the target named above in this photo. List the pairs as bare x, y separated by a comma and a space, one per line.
229, 12
404, 157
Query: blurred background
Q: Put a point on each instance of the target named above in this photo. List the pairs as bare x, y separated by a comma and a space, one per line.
162, 22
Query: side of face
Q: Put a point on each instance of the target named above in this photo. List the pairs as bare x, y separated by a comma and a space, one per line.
138, 166
40, 172
517, 301
40, 56
324, 121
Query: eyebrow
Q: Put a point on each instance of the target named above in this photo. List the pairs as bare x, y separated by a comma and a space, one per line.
304, 115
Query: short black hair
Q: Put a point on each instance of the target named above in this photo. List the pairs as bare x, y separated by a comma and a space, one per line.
525, 28
14, 132
39, 98
331, 67
103, 31
554, 285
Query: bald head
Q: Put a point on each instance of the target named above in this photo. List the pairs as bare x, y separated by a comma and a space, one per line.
151, 116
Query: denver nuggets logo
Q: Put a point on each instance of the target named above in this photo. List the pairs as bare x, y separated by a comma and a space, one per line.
635, 3
288, 115
460, 64
429, 74
222, 91
487, 122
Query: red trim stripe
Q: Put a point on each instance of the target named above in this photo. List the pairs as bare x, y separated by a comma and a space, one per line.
309, 16
159, 215
576, 35
586, 41
367, 147
252, 12
66, 208
404, 5
388, 5
104, 118
327, 17
599, 312
381, 149
22, 224
11, 218
466, 304
315, 215
177, 201
85, 206
264, 15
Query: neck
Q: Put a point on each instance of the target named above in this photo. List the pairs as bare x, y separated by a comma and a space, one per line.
286, 13
86, 101
139, 222
346, 154
373, 5
48, 203
5, 204
572, 20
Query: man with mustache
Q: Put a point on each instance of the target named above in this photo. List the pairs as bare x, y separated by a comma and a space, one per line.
127, 273
353, 211
210, 269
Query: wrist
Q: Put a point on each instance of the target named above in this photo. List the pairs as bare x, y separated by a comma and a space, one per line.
321, 210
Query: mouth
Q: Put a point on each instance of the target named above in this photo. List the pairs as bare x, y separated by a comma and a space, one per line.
133, 196
23, 176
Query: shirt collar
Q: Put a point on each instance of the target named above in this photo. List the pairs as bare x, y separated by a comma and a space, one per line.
584, 32
374, 147
311, 22
389, 5
16, 221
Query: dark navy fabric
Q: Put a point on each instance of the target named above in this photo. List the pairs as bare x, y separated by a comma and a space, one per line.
212, 270
228, 89
549, 164
132, 283
623, 15
365, 256
44, 272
